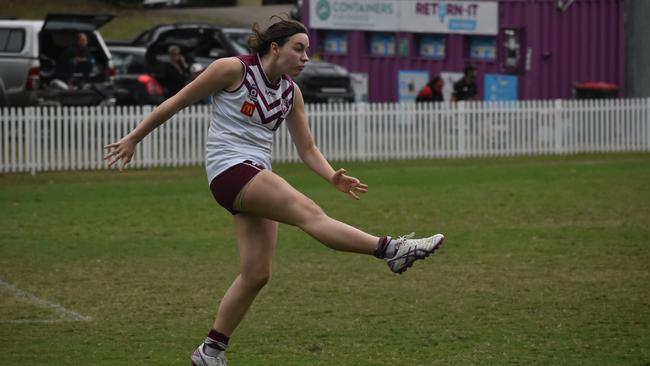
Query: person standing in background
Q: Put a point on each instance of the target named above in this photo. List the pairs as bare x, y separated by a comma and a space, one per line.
465, 88
177, 72
432, 92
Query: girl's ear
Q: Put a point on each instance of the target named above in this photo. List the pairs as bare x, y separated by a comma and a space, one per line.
275, 49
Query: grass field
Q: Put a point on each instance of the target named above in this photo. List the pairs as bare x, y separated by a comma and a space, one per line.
547, 262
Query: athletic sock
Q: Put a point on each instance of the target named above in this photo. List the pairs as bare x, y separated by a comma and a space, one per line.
385, 248
215, 343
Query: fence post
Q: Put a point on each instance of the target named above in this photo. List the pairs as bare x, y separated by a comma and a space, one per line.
362, 119
30, 140
558, 126
461, 128
645, 117
645, 122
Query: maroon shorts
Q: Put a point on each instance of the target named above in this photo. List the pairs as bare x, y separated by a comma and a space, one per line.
226, 186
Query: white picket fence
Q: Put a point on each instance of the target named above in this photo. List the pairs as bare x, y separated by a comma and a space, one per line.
72, 138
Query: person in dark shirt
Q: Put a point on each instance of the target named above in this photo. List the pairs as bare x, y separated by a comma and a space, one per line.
76, 59
465, 88
176, 72
432, 92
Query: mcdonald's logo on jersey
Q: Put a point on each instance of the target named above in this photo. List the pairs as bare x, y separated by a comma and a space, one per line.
248, 109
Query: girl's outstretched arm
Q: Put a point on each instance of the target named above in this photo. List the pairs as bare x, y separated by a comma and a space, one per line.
309, 153
222, 74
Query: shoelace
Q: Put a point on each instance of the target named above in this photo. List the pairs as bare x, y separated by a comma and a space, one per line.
402, 239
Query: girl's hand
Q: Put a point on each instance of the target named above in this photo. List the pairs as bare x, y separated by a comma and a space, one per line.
347, 184
121, 150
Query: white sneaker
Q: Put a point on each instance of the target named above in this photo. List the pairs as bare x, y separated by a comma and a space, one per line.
409, 250
199, 358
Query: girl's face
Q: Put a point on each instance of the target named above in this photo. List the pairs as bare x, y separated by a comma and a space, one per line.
292, 56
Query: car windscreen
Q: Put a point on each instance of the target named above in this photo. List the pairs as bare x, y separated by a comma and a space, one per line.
143, 39
239, 41
128, 63
193, 42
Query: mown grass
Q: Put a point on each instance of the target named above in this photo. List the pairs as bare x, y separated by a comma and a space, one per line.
546, 263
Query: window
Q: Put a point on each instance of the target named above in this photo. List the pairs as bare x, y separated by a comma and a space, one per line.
482, 48
126, 63
143, 38
382, 44
193, 43
335, 42
12, 40
432, 46
239, 41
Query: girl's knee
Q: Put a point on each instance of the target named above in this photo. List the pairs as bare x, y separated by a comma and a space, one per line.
308, 211
256, 280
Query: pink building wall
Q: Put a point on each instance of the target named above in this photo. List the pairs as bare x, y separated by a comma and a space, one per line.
584, 43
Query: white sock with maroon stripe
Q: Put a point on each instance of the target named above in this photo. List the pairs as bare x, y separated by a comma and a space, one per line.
385, 248
215, 343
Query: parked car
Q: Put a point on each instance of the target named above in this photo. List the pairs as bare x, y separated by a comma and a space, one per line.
134, 84
320, 82
296, 10
31, 69
277, 2
164, 3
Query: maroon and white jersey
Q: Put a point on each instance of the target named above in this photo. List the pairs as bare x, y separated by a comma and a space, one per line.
243, 120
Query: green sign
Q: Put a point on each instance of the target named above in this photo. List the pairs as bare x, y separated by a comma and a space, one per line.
323, 9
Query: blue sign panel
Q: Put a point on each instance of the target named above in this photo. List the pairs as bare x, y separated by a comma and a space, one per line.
432, 46
410, 82
382, 44
499, 87
335, 42
483, 48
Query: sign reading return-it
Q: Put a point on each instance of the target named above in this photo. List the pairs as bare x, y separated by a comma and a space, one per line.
472, 17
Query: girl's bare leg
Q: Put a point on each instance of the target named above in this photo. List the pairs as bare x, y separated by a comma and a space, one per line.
265, 201
270, 196
256, 238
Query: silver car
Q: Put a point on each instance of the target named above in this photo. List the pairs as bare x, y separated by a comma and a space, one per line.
31, 60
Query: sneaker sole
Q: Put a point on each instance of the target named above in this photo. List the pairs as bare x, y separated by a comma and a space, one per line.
436, 247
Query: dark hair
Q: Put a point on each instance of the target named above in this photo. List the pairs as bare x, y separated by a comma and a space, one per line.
468, 69
278, 32
433, 81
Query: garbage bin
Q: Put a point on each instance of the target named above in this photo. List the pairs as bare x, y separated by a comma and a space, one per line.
595, 90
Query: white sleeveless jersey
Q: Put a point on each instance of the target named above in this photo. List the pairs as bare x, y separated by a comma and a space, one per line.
243, 120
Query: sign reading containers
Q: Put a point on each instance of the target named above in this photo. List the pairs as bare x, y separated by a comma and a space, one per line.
467, 17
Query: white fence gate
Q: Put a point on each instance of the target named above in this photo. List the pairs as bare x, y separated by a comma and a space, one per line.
72, 138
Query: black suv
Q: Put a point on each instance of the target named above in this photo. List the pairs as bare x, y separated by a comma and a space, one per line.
320, 82
134, 84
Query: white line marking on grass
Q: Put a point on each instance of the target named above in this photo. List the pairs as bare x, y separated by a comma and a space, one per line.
64, 314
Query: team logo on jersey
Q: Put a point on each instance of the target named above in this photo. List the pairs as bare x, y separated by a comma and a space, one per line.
285, 106
248, 109
252, 92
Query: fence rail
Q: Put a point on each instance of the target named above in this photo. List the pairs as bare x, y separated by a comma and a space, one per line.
37, 139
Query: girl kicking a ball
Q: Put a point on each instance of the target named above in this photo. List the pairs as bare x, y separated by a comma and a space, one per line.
251, 97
